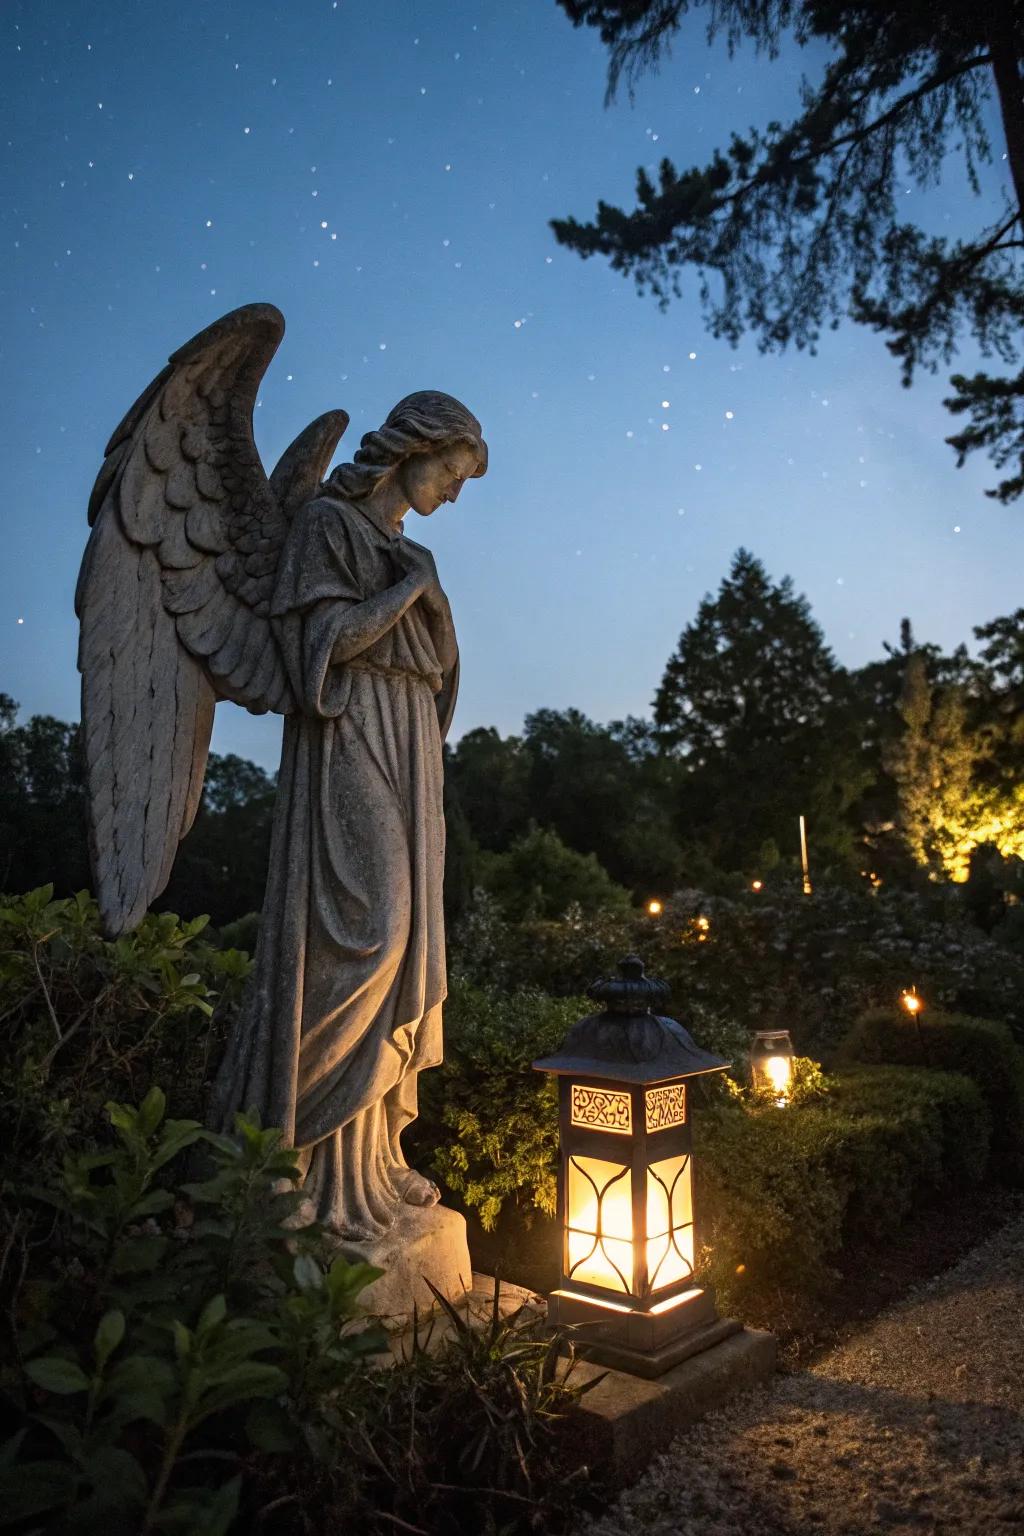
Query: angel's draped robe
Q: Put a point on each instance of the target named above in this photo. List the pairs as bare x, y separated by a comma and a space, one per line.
344, 1008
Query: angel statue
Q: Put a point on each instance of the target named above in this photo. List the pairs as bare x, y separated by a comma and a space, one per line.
205, 580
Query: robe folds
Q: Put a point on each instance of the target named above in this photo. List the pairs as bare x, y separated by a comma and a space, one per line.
344, 1006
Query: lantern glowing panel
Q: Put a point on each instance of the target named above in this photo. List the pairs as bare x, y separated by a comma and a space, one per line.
599, 1223
669, 1222
600, 1249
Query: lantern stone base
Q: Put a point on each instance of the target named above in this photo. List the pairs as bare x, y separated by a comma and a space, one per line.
648, 1343
427, 1242
624, 1421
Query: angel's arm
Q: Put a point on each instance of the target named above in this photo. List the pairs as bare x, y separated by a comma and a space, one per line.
363, 623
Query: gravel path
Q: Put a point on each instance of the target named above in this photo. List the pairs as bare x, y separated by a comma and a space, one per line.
915, 1426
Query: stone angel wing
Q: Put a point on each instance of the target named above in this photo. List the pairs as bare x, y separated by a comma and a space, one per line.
174, 596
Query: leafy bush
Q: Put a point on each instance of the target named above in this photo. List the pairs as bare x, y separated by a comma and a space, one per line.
182, 1361
783, 1190
488, 1123
142, 1345
768, 959
87, 1020
175, 1358
982, 1050
540, 877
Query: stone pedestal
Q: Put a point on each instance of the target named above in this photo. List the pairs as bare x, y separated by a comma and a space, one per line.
624, 1420
425, 1243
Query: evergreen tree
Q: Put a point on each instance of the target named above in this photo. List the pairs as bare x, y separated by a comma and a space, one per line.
750, 672
796, 226
755, 707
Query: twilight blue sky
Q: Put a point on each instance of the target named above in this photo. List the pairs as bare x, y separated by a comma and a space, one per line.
384, 174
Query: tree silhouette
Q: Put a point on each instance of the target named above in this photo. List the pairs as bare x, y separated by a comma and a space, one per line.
795, 226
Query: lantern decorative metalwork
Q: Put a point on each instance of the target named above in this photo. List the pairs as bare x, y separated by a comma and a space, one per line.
771, 1064
625, 1190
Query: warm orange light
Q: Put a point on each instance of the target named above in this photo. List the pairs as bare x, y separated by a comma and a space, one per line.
779, 1072
771, 1064
654, 907
704, 923
755, 885
600, 1222
911, 1002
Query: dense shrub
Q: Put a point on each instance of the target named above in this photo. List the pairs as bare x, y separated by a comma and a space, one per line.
489, 1124
181, 1361
982, 1050
173, 1358
768, 959
86, 1020
783, 1190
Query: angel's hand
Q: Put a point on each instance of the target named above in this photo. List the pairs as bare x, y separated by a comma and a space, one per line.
418, 565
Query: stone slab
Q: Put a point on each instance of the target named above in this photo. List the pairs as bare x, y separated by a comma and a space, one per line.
426, 1243
625, 1421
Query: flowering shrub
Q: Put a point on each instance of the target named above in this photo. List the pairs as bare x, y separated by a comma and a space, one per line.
768, 959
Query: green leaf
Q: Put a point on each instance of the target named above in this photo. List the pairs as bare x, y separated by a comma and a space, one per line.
151, 1110
177, 1135
153, 1204
239, 1385
345, 1281
109, 1334
121, 1116
182, 1339
213, 1313
56, 1375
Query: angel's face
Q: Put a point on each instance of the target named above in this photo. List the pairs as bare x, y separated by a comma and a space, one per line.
428, 479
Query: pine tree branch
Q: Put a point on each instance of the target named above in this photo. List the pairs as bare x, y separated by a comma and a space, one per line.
1004, 47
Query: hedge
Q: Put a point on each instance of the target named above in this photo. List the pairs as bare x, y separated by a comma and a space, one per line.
785, 1190
980, 1049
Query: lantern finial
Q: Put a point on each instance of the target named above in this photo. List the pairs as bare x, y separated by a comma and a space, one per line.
631, 991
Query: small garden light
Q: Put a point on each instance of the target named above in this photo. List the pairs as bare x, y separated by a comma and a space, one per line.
911, 1002
756, 885
625, 1200
654, 907
771, 1064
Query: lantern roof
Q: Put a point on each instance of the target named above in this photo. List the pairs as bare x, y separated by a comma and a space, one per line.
628, 1042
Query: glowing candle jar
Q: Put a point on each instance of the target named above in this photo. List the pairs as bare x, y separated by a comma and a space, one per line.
625, 1192
771, 1064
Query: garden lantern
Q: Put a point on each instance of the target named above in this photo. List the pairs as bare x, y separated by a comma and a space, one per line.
771, 1064
625, 1196
911, 1003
